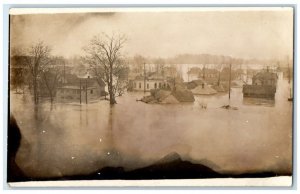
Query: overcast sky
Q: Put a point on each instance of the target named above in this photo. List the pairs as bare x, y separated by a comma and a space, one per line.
247, 34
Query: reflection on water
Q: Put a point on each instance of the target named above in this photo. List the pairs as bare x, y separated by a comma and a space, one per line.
66, 139
259, 101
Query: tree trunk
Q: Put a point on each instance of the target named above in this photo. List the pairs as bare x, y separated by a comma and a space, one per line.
51, 97
112, 99
35, 90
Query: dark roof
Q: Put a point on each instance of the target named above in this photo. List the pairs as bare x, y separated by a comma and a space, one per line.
265, 75
72, 79
18, 61
155, 76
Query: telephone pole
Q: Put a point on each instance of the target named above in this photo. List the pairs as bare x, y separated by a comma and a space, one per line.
86, 100
64, 72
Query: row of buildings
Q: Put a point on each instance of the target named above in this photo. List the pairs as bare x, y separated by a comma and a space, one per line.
83, 87
205, 82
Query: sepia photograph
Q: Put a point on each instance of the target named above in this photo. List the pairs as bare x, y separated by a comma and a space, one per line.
138, 94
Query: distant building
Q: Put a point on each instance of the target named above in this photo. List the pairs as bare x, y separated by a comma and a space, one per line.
263, 85
19, 72
162, 96
152, 81
210, 76
265, 78
208, 73
85, 88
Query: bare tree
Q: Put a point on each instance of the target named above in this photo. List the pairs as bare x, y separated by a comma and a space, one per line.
38, 58
105, 59
50, 76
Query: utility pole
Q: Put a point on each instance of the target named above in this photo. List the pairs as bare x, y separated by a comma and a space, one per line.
229, 79
86, 100
64, 72
144, 79
80, 90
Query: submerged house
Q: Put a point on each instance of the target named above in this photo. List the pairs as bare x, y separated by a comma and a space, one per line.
210, 76
200, 87
263, 85
80, 89
152, 81
163, 96
209, 73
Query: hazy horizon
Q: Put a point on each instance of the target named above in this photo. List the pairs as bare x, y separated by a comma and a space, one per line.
242, 34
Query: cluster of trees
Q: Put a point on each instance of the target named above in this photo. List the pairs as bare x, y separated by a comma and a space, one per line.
205, 59
138, 61
186, 59
36, 67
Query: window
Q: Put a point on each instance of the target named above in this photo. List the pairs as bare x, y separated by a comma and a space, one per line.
155, 85
147, 86
140, 85
91, 91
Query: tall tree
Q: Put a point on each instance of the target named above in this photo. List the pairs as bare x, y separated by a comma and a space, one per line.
50, 75
104, 56
37, 60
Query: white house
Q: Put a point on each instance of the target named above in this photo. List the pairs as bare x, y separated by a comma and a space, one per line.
152, 81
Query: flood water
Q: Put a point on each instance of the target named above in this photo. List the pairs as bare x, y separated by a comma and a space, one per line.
67, 139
